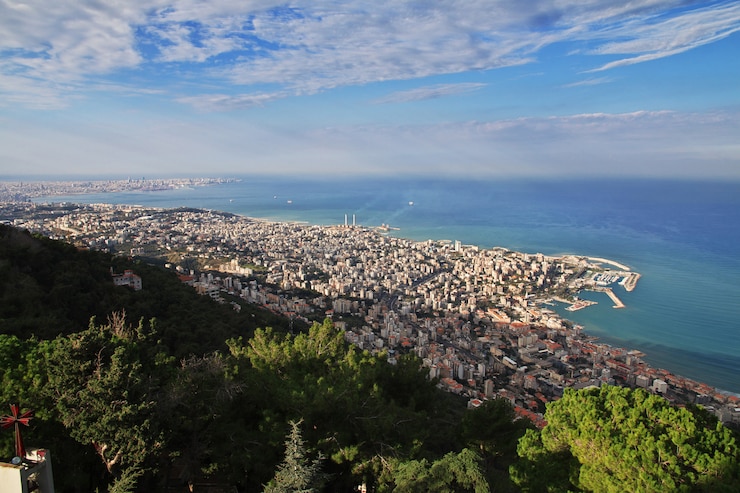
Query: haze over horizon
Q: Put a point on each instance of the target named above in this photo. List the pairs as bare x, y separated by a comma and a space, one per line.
581, 88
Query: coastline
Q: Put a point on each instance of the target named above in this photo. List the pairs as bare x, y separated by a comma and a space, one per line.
652, 321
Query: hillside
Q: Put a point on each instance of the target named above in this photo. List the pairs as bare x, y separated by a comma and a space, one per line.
165, 390
48, 288
141, 390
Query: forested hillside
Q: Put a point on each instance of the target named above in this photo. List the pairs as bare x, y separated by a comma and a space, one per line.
50, 288
165, 390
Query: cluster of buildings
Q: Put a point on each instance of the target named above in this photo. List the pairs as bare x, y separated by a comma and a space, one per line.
20, 191
478, 318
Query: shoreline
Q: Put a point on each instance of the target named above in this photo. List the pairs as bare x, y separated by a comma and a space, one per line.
641, 353
280, 220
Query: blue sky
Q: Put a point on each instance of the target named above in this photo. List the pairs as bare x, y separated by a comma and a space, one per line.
524, 88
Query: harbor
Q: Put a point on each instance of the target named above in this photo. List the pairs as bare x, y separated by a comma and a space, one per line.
602, 282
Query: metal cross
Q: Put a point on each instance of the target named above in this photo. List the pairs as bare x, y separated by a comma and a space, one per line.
16, 419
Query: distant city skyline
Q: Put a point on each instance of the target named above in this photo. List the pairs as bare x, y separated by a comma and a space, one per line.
582, 88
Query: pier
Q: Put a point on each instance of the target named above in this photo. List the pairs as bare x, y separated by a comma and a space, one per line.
617, 302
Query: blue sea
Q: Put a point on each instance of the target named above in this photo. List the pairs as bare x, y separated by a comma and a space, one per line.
682, 236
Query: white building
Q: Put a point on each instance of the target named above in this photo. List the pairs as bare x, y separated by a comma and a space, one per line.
659, 386
128, 278
32, 473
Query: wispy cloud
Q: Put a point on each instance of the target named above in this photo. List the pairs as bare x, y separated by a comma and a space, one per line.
590, 82
311, 46
430, 92
225, 102
660, 35
41, 95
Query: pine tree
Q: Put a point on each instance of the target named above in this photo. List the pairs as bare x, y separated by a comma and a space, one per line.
297, 473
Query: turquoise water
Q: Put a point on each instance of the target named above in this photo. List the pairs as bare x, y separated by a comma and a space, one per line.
683, 237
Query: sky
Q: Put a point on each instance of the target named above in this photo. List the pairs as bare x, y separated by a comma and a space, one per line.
494, 88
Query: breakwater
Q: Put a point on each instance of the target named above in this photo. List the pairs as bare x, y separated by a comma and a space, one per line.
617, 302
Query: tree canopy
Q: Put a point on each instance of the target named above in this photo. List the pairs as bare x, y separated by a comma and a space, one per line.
615, 439
49, 288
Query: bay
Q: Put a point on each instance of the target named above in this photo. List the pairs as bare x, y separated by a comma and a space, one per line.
683, 237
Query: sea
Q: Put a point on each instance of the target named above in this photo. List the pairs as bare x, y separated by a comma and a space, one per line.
683, 237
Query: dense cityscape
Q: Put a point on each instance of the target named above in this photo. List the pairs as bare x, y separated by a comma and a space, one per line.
479, 319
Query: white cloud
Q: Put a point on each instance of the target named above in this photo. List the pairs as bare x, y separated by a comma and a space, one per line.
326, 47
660, 36
660, 143
310, 46
68, 40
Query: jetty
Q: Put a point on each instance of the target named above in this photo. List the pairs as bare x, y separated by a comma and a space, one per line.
617, 302
630, 281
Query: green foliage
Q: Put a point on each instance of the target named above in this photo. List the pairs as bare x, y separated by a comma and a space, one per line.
615, 439
539, 469
18, 373
493, 428
297, 473
460, 472
494, 431
38, 272
357, 407
72, 286
116, 402
197, 407
127, 481
104, 381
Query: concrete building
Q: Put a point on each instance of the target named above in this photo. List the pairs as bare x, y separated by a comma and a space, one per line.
32, 473
128, 278
660, 386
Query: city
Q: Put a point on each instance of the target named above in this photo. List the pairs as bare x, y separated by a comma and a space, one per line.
479, 319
